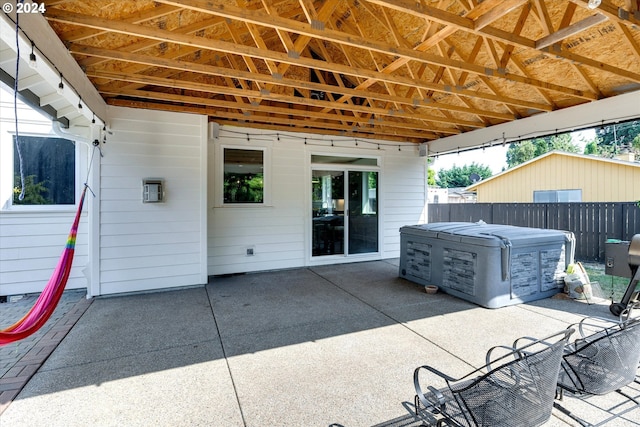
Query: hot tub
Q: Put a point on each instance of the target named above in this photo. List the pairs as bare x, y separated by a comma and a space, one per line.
490, 265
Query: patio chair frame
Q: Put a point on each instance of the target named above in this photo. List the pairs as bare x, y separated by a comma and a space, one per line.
516, 389
601, 362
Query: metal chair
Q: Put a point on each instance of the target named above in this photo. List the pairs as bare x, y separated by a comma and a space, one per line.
518, 391
603, 359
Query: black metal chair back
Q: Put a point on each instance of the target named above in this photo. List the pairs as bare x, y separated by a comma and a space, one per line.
602, 362
519, 392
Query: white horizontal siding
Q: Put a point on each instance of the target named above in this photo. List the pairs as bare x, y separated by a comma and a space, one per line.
151, 245
404, 198
33, 238
30, 247
278, 233
275, 232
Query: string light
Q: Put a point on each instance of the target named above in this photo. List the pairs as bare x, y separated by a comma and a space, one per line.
48, 64
60, 89
593, 4
32, 57
496, 141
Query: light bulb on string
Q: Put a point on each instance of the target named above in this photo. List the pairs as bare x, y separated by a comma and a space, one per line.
60, 89
32, 58
593, 4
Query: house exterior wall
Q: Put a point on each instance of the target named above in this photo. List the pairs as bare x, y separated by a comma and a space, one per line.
280, 231
403, 196
125, 245
32, 238
600, 180
147, 246
31, 244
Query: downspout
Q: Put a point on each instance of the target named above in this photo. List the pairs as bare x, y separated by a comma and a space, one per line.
91, 137
85, 137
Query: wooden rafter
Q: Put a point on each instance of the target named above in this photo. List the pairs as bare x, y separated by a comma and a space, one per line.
401, 70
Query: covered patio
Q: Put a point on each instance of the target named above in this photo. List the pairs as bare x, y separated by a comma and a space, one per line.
321, 346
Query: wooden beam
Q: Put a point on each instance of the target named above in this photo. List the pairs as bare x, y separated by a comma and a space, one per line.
495, 11
213, 70
207, 88
418, 9
613, 12
569, 31
79, 34
263, 19
217, 103
233, 48
264, 126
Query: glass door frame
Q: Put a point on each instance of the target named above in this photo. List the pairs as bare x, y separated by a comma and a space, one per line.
345, 168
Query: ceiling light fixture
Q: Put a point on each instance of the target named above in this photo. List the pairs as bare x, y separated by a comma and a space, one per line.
593, 4
32, 58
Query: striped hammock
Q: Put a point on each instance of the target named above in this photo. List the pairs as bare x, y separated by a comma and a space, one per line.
50, 296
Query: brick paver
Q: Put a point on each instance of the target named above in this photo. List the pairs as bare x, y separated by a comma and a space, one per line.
20, 360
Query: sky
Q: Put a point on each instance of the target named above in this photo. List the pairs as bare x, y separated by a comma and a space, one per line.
495, 157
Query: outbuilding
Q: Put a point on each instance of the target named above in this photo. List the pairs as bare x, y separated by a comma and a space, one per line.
558, 176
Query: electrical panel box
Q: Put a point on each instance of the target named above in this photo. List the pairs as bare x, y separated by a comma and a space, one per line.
152, 190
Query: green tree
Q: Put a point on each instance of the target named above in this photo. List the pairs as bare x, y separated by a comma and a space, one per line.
34, 192
591, 147
612, 139
459, 176
619, 134
529, 149
431, 177
520, 152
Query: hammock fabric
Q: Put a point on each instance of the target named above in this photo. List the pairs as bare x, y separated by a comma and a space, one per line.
50, 296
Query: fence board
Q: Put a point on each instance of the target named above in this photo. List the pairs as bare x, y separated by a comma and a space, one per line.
591, 223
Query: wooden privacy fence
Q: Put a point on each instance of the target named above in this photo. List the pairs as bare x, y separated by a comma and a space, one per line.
591, 223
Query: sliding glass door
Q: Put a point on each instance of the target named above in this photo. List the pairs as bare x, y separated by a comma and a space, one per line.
344, 212
363, 212
327, 212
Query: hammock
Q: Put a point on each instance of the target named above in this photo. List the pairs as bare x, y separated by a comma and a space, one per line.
50, 296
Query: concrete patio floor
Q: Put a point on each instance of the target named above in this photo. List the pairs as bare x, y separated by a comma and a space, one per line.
323, 346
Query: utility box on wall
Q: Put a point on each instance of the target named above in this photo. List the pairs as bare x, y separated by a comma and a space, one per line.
152, 190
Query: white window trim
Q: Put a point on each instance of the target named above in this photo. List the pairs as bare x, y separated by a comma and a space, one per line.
219, 177
11, 208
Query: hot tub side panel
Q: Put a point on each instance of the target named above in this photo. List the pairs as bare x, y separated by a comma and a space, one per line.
483, 268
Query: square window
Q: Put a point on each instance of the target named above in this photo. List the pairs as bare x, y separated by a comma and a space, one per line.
47, 165
243, 179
